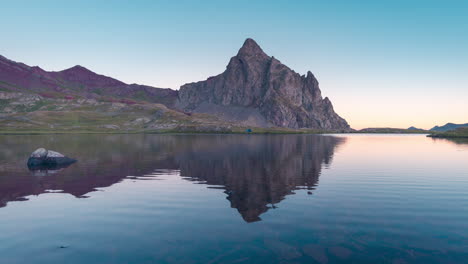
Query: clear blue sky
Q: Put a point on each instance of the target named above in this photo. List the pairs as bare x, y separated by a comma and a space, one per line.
382, 63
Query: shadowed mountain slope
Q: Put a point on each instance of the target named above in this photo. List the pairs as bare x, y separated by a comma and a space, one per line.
76, 82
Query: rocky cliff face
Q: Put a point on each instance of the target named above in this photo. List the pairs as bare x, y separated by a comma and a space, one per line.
258, 90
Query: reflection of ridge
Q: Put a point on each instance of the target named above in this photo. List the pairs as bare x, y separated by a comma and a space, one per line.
103, 161
257, 172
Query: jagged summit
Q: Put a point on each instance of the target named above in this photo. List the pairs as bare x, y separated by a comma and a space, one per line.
250, 48
258, 90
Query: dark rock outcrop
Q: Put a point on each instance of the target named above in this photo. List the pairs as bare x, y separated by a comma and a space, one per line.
48, 159
258, 90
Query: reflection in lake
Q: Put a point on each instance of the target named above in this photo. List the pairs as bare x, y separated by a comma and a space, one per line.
198, 199
256, 171
458, 141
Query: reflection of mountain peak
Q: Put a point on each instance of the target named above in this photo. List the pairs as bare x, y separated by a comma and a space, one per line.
256, 171
259, 171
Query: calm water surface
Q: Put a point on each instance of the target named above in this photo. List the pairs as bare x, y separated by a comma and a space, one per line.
235, 199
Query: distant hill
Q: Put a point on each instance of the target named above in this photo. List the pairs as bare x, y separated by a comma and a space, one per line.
74, 83
391, 130
414, 128
448, 127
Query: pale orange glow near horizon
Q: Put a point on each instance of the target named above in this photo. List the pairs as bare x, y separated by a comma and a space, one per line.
384, 150
366, 100
364, 114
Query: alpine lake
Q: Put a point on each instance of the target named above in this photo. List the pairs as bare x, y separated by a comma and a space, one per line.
147, 198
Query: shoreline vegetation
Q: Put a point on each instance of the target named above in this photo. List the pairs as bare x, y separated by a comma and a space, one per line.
29, 114
456, 133
33, 114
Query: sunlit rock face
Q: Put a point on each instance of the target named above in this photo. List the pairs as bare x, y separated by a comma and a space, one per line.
258, 90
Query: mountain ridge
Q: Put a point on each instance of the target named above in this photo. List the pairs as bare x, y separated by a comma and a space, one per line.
76, 81
255, 90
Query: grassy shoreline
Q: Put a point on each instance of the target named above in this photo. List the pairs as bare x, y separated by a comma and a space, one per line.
457, 133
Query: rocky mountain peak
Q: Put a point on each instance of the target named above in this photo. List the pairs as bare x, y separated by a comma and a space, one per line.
258, 90
250, 48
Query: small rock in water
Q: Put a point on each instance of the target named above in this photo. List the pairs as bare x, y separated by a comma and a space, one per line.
43, 158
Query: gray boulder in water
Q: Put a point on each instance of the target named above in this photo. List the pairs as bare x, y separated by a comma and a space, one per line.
43, 158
